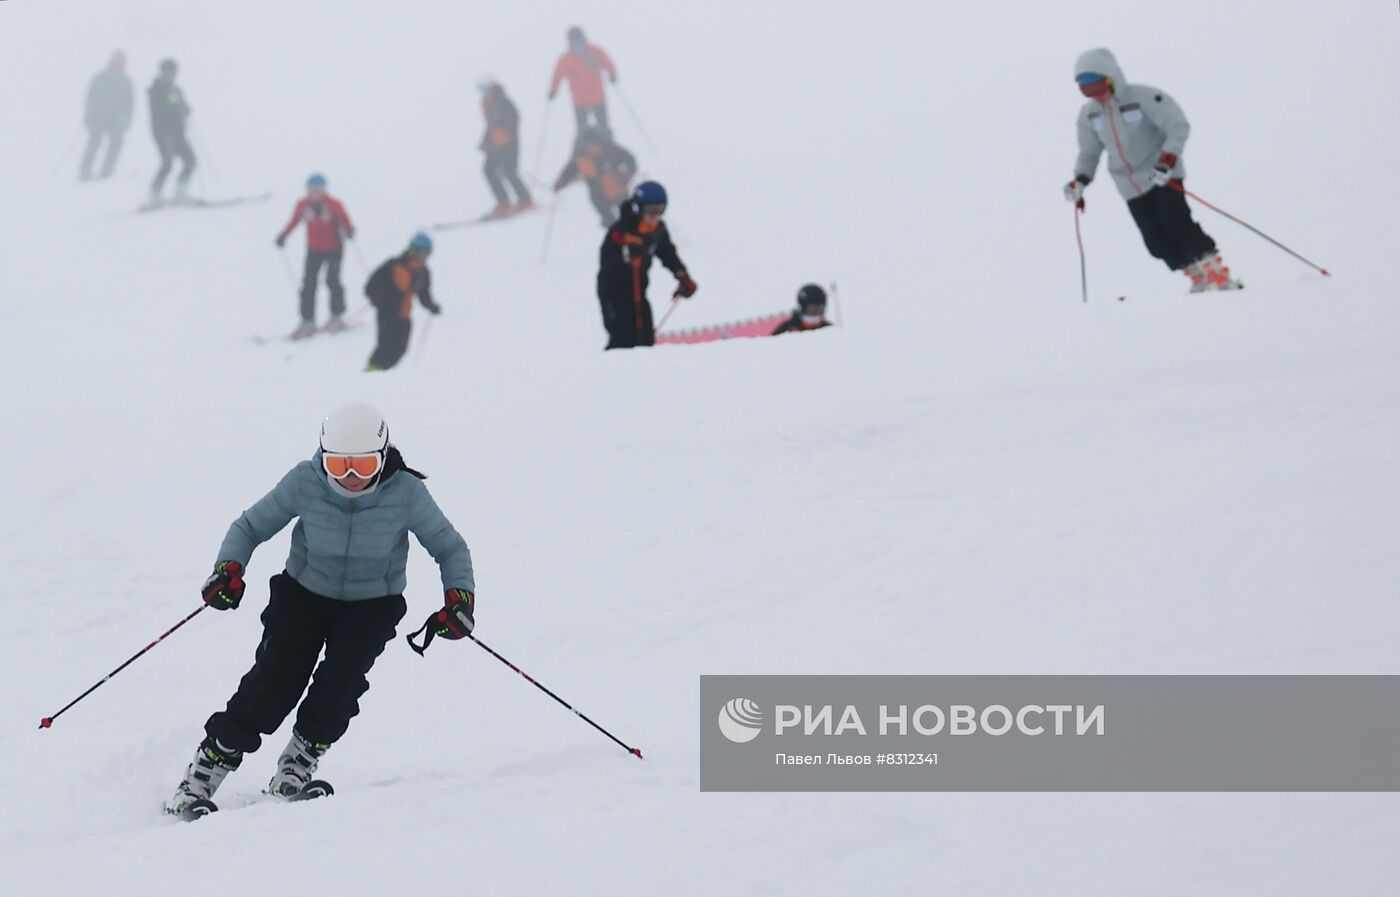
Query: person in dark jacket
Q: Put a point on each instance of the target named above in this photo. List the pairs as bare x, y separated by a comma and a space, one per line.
107, 114
168, 114
810, 314
624, 263
391, 290
327, 228
605, 167
355, 502
501, 144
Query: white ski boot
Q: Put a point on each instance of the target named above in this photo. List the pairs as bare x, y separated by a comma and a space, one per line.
304, 330
1218, 273
296, 767
336, 325
1200, 281
206, 772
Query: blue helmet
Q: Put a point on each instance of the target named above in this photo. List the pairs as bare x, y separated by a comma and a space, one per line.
649, 193
316, 180
421, 243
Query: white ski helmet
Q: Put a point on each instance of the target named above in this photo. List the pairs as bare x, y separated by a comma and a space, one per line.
354, 429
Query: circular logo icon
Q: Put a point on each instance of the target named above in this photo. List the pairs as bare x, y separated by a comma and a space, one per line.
740, 720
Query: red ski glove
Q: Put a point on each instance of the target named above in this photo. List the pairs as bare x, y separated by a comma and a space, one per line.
685, 287
1162, 172
453, 622
224, 587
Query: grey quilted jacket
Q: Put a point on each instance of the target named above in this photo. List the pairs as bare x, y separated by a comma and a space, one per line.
1138, 124
351, 548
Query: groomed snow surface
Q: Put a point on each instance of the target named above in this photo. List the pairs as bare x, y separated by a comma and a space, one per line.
977, 474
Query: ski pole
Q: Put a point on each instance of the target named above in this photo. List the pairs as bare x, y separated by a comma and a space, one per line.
836, 302
549, 228
68, 151
539, 144
287, 267
204, 154
47, 721
1083, 269
666, 317
360, 255
423, 341
1181, 188
636, 120
636, 752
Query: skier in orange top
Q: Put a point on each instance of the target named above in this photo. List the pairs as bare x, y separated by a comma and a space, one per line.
583, 65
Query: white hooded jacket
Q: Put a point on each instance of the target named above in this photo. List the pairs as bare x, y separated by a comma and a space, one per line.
1135, 126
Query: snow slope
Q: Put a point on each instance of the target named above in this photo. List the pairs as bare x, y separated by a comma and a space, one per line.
979, 474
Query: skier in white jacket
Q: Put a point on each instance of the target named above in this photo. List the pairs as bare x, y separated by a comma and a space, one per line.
1144, 132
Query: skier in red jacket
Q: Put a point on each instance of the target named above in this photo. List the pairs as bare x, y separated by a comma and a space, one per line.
327, 227
583, 65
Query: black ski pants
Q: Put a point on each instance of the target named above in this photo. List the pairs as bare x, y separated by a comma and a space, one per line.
628, 321
598, 114
502, 167
607, 208
314, 260
173, 146
1168, 229
297, 624
114, 148
394, 331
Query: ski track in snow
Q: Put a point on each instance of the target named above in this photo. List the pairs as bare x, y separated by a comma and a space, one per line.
978, 474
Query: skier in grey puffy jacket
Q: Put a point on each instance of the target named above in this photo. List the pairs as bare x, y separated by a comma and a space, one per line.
107, 113
1144, 132
342, 590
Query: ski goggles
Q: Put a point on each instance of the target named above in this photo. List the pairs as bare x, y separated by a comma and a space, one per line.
653, 211
338, 467
1088, 78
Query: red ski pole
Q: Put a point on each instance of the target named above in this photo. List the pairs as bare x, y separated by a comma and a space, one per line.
666, 317
1181, 188
47, 721
1083, 269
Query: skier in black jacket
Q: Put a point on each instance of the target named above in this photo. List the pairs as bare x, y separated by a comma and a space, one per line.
168, 114
501, 144
624, 262
604, 166
107, 114
810, 314
391, 290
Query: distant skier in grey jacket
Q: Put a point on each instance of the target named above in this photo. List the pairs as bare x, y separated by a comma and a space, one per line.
342, 590
107, 113
1144, 132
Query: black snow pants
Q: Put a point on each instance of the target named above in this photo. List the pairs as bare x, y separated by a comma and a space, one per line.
1168, 229
502, 167
114, 147
595, 115
297, 624
172, 146
394, 331
627, 320
314, 260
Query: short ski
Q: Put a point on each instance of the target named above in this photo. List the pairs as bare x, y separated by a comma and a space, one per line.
488, 218
222, 203
263, 340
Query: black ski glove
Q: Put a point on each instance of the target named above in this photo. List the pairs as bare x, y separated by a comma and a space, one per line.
224, 587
